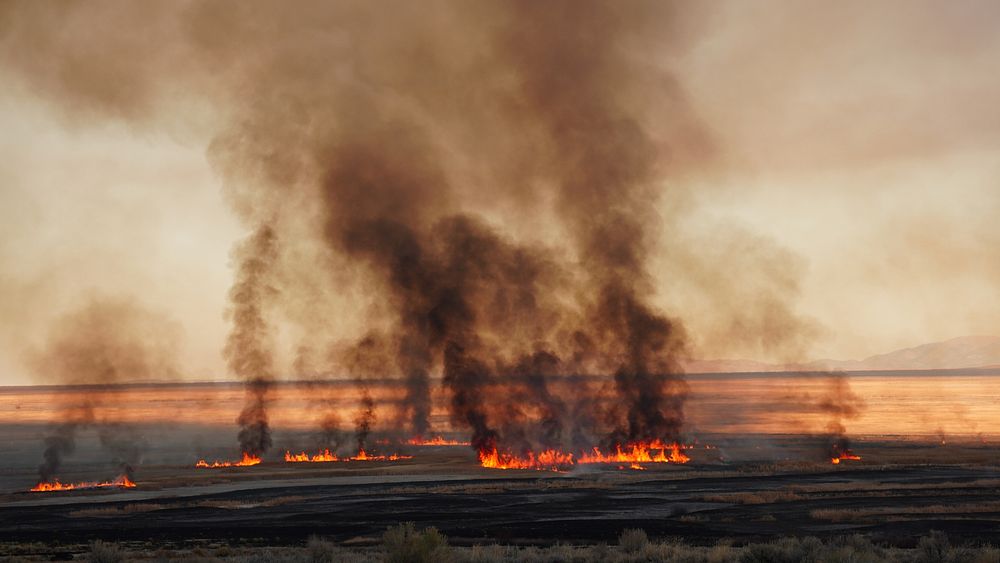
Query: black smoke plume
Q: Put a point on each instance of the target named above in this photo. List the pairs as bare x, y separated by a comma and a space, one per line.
248, 349
840, 403
484, 174
364, 420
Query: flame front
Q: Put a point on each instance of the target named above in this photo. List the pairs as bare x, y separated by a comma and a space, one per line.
122, 482
639, 452
845, 455
323, 456
435, 441
656, 451
551, 460
247, 461
327, 456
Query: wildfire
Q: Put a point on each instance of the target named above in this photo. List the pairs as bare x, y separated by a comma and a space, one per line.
845, 455
327, 456
122, 482
555, 460
364, 456
247, 460
646, 452
552, 460
435, 441
321, 457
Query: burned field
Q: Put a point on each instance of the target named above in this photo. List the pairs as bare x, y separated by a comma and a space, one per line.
349, 484
888, 497
489, 275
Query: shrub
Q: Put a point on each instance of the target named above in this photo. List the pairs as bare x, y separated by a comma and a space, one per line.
633, 540
932, 548
601, 552
403, 544
986, 554
784, 550
491, 554
319, 550
105, 552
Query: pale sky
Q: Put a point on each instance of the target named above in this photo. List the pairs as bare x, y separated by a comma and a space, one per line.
860, 143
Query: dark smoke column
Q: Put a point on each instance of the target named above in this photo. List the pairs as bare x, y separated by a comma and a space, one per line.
585, 89
248, 349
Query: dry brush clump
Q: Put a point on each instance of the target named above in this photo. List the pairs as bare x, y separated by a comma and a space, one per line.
405, 543
633, 540
105, 552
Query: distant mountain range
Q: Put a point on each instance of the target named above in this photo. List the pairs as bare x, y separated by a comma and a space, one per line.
957, 353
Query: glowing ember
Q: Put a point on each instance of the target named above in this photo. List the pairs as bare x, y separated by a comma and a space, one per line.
554, 460
326, 456
435, 441
122, 482
245, 462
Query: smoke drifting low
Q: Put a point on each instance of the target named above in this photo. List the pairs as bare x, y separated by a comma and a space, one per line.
105, 342
484, 174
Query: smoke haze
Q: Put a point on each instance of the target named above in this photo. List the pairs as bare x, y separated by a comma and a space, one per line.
106, 341
510, 195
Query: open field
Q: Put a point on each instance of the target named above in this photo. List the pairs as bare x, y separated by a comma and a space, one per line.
891, 497
745, 486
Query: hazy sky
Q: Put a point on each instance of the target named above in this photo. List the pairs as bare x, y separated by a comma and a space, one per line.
858, 142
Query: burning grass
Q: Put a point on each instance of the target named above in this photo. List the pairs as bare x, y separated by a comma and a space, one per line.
122, 482
326, 456
246, 461
548, 460
436, 441
844, 456
633, 455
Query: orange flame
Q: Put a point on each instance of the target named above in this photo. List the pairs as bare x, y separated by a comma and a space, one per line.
554, 460
364, 456
122, 482
845, 455
247, 460
647, 452
435, 441
321, 457
326, 456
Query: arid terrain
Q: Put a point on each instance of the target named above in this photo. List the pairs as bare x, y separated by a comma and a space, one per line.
746, 483
899, 492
